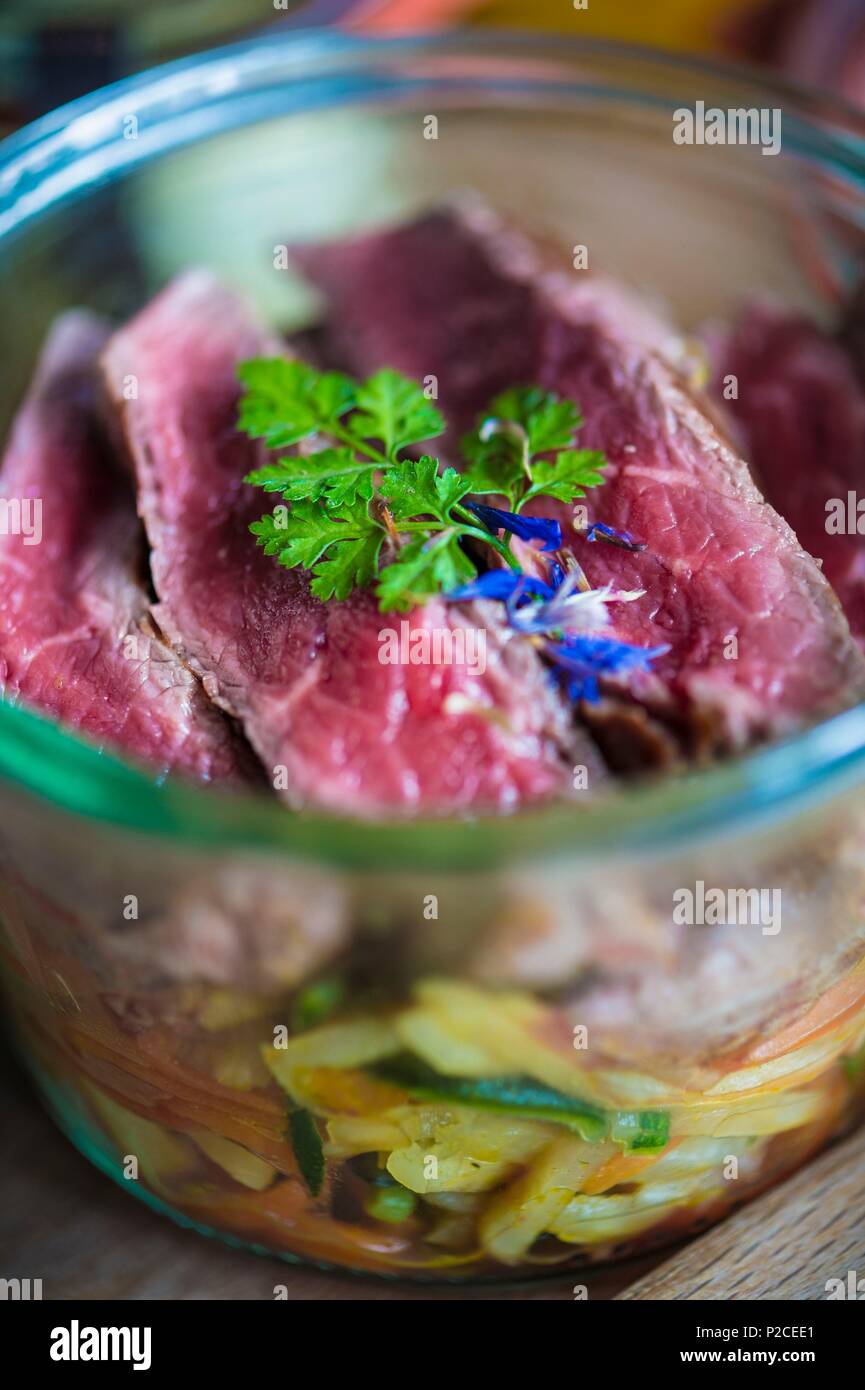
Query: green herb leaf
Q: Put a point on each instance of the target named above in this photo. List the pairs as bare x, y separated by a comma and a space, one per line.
287, 400
336, 476
528, 423
307, 1146
494, 467
514, 1094
424, 567
348, 565
549, 422
394, 410
567, 476
340, 546
355, 490
415, 488
297, 537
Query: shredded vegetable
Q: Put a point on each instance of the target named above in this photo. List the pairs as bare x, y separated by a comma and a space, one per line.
453, 1132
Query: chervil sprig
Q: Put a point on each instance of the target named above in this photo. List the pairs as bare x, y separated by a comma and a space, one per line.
352, 499
357, 511
523, 448
340, 545
287, 401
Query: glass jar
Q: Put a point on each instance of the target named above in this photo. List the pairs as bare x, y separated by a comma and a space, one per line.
435, 1049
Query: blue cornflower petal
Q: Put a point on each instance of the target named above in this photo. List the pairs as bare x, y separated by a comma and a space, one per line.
500, 584
582, 659
599, 531
528, 528
583, 688
557, 574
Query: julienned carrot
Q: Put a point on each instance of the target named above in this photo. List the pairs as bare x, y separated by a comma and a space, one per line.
622, 1168
833, 1007
348, 1091
176, 1080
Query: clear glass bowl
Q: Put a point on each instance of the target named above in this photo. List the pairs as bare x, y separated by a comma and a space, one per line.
207, 988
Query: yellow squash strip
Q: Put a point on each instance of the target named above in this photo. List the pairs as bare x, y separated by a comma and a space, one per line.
245, 1167
504, 1030
616, 1217
425, 1034
452, 1173
763, 1114
357, 1043
348, 1135
633, 1090
457, 1149
499, 1026
794, 1068
163, 1158
514, 1218
690, 1157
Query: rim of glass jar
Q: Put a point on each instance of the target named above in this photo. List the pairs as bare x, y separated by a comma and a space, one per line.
75, 149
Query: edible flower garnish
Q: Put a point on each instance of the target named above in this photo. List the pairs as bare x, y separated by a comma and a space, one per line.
537, 608
599, 532
528, 528
581, 660
568, 610
562, 608
500, 584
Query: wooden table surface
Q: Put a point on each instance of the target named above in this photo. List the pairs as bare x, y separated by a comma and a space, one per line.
63, 1222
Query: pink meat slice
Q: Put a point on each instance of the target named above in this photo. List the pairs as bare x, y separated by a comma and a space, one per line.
75, 636
801, 410
758, 644
332, 723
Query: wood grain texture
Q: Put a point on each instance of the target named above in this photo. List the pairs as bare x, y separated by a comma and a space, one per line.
784, 1246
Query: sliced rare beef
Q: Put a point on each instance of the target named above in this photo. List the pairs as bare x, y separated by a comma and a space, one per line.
758, 644
801, 409
332, 723
75, 637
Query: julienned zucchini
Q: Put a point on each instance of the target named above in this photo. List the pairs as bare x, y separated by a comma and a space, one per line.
638, 1131
308, 1150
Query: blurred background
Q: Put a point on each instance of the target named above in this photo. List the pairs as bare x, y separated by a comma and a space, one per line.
53, 50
